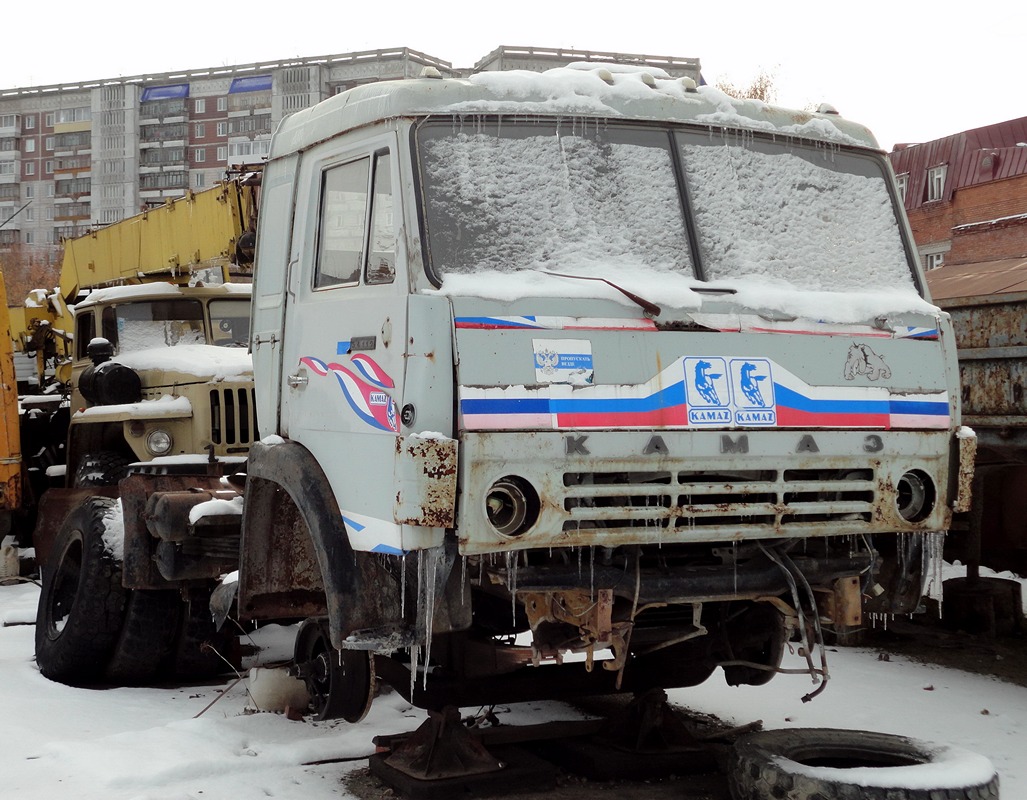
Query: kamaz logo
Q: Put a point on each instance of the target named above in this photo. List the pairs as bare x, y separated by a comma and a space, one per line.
656, 445
378, 399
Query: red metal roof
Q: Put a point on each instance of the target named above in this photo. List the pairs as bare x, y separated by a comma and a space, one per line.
1007, 276
975, 156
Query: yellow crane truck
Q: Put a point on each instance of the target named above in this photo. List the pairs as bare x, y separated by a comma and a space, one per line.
147, 336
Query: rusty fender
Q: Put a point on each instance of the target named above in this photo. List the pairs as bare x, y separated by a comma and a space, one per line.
426, 482
291, 511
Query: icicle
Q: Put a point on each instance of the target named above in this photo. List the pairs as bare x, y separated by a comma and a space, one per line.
463, 577
432, 568
415, 652
592, 573
403, 586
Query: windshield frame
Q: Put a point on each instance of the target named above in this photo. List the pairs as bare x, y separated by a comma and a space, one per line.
875, 160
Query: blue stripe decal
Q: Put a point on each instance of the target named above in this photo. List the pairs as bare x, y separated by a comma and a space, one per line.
922, 407
665, 398
791, 399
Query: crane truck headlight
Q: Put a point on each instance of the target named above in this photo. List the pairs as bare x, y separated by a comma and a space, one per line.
159, 442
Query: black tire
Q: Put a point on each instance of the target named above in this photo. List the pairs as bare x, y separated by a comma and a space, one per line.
147, 636
82, 602
200, 650
105, 468
819, 764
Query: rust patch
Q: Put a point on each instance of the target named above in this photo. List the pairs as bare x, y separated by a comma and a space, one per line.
965, 475
427, 476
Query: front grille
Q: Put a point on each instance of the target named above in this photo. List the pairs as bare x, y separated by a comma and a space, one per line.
696, 499
232, 417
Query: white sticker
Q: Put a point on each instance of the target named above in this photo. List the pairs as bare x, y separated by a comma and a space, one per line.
563, 361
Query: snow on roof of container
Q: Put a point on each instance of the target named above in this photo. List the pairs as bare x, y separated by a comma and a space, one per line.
580, 90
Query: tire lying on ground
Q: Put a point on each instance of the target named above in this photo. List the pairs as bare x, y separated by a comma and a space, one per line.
831, 764
82, 603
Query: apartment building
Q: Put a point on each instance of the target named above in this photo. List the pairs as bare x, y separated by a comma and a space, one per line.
77, 155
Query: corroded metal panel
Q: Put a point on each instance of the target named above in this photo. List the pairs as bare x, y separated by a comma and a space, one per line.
426, 481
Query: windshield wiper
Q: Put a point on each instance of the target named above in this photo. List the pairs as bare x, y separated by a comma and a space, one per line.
650, 309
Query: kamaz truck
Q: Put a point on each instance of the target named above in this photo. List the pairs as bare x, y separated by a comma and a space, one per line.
584, 381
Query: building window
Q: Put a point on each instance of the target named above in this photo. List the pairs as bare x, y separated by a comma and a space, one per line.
30, 214
30, 191
30, 145
901, 184
935, 260
49, 144
29, 123
49, 213
222, 129
200, 155
222, 104
936, 182
50, 118
30, 168
200, 105
48, 167
222, 154
199, 180
200, 130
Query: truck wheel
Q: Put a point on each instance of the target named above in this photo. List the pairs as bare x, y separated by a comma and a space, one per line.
105, 468
82, 603
830, 764
340, 682
147, 636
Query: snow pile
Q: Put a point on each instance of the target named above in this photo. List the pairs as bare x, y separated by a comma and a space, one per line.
165, 406
114, 531
216, 508
203, 361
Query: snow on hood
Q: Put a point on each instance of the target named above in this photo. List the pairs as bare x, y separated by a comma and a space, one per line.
676, 290
202, 360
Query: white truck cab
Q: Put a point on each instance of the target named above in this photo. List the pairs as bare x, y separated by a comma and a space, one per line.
593, 356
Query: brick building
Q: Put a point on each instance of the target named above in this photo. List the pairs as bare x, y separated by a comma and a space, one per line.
966, 195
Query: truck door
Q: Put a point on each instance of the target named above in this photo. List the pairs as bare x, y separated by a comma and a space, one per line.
345, 330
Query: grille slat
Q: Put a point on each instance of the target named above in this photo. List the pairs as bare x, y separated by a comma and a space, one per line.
690, 499
232, 422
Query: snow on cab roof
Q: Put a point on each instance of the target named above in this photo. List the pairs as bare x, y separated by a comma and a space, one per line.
578, 90
155, 289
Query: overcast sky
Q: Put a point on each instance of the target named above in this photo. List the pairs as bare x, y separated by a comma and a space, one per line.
910, 71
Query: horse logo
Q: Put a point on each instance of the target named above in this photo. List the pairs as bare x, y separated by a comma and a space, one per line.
704, 383
750, 385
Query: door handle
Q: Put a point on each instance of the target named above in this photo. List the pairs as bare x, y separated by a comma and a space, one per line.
297, 380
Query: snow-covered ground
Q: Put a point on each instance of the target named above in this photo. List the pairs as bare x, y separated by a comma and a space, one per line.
160, 744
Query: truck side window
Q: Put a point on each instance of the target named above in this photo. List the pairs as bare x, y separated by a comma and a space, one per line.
85, 331
342, 225
381, 265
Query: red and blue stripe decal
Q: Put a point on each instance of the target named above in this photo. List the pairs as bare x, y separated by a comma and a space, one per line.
364, 389
665, 402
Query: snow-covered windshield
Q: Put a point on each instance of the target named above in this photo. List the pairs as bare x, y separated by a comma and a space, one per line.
171, 322
547, 195
509, 195
815, 217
